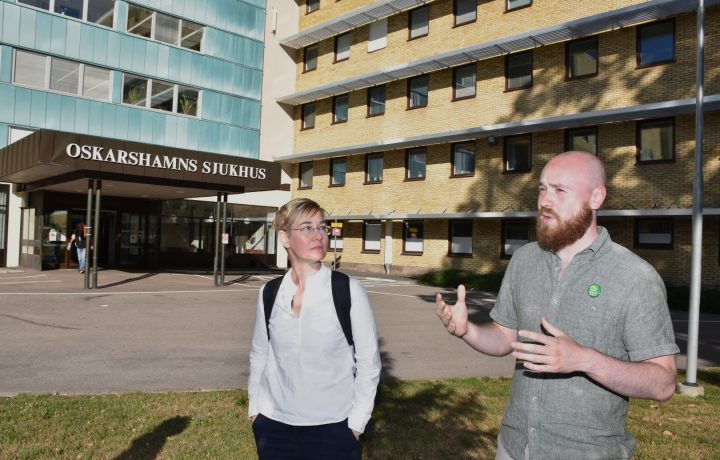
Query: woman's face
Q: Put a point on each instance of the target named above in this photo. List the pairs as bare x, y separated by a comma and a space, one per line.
304, 246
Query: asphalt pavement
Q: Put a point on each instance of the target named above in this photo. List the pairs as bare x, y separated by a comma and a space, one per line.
147, 331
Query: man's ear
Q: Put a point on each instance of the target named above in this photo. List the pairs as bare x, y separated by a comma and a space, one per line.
597, 197
284, 238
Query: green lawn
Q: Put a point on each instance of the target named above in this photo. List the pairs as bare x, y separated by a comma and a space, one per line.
442, 419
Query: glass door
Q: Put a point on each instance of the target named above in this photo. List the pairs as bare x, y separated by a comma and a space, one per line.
132, 239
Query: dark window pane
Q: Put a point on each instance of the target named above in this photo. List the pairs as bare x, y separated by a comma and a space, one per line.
419, 22
656, 141
139, 21
339, 169
463, 159
465, 11
376, 100
135, 90
657, 43
418, 96
101, 12
582, 58
416, 161
519, 70
517, 153
72, 8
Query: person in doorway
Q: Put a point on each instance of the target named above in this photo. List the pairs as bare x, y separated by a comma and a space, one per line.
310, 392
586, 319
79, 238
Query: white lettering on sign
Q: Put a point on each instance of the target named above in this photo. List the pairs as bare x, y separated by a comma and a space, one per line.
149, 160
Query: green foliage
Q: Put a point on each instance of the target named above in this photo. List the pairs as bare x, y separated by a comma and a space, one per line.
679, 298
188, 106
472, 280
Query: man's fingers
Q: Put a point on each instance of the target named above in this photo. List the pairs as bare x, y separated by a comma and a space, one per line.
552, 330
461, 294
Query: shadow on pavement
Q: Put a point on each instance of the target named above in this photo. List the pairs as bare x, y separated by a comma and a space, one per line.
149, 445
129, 280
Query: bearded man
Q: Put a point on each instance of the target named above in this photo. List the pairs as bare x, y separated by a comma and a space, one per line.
587, 321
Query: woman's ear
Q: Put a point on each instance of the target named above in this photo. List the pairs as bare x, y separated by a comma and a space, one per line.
284, 238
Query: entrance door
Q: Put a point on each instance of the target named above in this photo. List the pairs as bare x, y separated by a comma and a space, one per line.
133, 234
4, 194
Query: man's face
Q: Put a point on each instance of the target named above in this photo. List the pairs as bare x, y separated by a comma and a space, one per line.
564, 213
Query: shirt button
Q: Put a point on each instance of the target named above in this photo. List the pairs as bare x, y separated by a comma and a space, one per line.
535, 398
554, 301
532, 430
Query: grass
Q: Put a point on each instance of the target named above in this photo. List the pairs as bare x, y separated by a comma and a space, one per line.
439, 419
678, 296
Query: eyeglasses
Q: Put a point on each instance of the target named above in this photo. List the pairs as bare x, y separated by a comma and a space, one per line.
308, 230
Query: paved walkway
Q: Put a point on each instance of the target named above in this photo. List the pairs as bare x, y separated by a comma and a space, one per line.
141, 331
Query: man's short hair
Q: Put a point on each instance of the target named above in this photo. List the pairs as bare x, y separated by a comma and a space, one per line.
293, 209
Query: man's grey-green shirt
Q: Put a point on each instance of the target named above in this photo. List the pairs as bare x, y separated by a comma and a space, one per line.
608, 299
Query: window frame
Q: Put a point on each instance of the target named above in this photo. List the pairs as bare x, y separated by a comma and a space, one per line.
332, 172
149, 94
335, 99
508, 57
349, 46
309, 6
506, 141
455, 13
451, 235
406, 227
426, 77
508, 9
368, 158
413, 151
316, 47
84, 15
154, 14
638, 44
301, 171
639, 125
377, 43
453, 147
411, 15
503, 234
472, 66
303, 125
571, 132
568, 58
369, 100
365, 250
636, 238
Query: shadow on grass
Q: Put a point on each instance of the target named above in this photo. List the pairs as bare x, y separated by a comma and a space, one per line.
149, 445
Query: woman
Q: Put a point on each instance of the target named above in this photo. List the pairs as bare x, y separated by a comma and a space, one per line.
311, 394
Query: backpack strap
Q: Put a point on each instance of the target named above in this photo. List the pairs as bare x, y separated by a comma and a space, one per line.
340, 283
269, 294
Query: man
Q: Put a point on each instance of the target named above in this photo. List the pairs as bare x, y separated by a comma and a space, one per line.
586, 319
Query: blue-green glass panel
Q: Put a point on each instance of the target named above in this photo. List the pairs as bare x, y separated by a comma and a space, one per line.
2, 15
174, 63
117, 87
206, 70
151, 54
100, 46
225, 138
126, 51
121, 10
113, 49
138, 55
208, 135
218, 75
38, 108
236, 116
27, 24
171, 131
5, 62
226, 109
82, 117
43, 29
95, 111
158, 128
11, 23
196, 74
54, 108
67, 120
87, 34
23, 99
7, 95
122, 115
186, 135
163, 56
73, 39
210, 105
4, 129
185, 66
210, 38
108, 116
134, 123
146, 126
253, 114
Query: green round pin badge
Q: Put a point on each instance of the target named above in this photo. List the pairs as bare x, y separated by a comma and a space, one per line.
594, 290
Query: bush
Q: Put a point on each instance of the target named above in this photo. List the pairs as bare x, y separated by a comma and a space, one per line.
451, 278
679, 298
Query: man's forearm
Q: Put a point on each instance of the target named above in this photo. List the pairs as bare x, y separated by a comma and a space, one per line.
488, 338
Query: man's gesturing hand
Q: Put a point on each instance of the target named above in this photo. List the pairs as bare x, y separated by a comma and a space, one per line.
554, 353
454, 317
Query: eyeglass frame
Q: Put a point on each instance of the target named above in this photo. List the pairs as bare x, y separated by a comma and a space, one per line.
307, 230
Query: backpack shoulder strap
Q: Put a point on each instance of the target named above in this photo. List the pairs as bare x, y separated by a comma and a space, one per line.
340, 283
269, 294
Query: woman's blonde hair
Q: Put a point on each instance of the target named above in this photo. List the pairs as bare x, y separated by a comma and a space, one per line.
293, 209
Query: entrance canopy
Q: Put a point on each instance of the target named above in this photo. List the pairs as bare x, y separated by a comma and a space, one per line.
63, 162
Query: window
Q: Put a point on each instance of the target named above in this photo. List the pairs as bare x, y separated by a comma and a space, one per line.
312, 5
95, 11
583, 139
340, 108
61, 75
461, 237
306, 175
582, 58
308, 116
656, 43
310, 55
463, 159
376, 100
654, 233
418, 92
515, 4
465, 11
164, 28
517, 154
419, 22
413, 237
377, 38
655, 141
371, 237
338, 171
464, 82
342, 47
160, 95
515, 234
373, 168
415, 162
518, 71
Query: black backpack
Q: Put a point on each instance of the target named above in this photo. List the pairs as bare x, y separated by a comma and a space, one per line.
340, 284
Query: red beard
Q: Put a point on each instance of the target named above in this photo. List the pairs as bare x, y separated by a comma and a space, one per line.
564, 232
